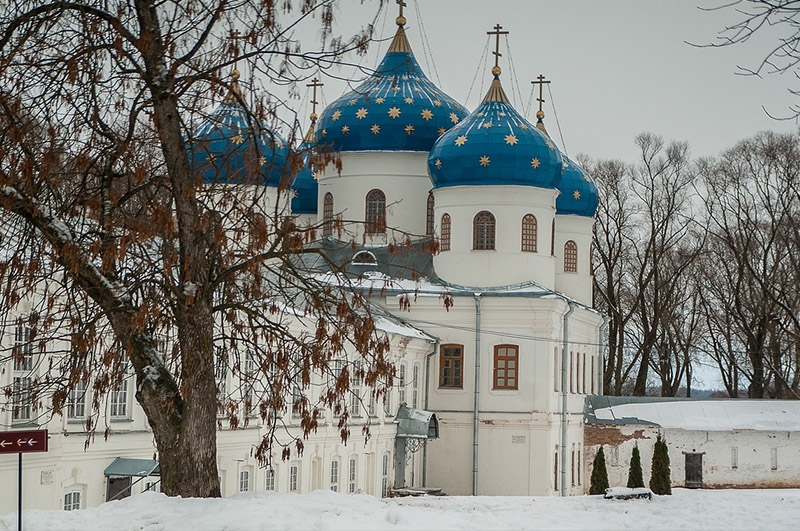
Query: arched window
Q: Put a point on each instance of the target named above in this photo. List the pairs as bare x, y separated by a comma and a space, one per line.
529, 233
429, 218
444, 237
375, 219
327, 215
483, 231
570, 257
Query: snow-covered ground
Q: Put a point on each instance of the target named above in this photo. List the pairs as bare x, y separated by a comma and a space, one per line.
324, 510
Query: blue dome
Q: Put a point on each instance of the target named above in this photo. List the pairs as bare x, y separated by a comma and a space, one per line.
234, 148
305, 183
495, 145
396, 109
578, 192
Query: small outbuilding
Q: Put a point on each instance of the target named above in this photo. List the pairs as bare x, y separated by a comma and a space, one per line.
713, 443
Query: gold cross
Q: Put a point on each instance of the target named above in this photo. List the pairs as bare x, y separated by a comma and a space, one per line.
497, 34
402, 5
314, 83
234, 36
541, 82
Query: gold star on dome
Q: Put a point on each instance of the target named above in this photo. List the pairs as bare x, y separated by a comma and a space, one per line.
376, 89
586, 178
314, 175
237, 139
405, 78
262, 161
409, 129
345, 129
453, 118
479, 114
361, 113
279, 144
437, 103
576, 194
501, 114
511, 140
375, 129
353, 101
460, 141
426, 114
324, 132
336, 115
409, 100
442, 131
535, 162
395, 89
379, 100
438, 164
484, 161
487, 125
523, 126
211, 157
394, 112
549, 143
417, 89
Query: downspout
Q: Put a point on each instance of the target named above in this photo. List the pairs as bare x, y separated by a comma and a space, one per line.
564, 382
427, 392
477, 393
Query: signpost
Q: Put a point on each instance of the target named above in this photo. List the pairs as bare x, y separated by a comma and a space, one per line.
19, 442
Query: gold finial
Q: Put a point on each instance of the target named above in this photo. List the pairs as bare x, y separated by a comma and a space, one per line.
496, 69
234, 92
401, 20
540, 114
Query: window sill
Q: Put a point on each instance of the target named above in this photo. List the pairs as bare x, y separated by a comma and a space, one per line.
448, 388
120, 420
76, 421
23, 424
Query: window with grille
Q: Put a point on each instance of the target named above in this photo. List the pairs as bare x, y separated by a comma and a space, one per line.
529, 233
375, 219
401, 382
152, 486
270, 484
76, 401
570, 257
327, 215
352, 483
429, 219
119, 400
483, 226
23, 348
21, 399
444, 237
244, 481
385, 476
335, 475
72, 501
451, 361
506, 368
293, 478
415, 387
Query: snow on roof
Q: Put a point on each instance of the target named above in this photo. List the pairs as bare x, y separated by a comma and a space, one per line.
707, 415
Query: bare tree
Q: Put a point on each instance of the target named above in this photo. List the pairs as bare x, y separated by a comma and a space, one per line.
129, 253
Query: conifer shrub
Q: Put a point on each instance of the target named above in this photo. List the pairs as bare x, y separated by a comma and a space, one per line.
659, 472
599, 482
635, 478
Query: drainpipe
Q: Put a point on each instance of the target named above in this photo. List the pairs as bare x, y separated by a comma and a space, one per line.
603, 342
427, 392
564, 381
477, 393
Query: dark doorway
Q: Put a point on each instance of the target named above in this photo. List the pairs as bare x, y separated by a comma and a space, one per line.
694, 471
118, 488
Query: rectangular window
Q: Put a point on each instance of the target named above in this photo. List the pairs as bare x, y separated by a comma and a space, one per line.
734, 458
297, 406
335, 475
591, 386
119, 401
401, 383
571, 374
387, 404
506, 359
152, 486
556, 370
72, 501
270, 485
774, 458
451, 361
578, 468
23, 348
371, 404
21, 397
583, 376
293, 479
573, 465
76, 401
355, 390
352, 477
385, 476
555, 470
244, 481
415, 387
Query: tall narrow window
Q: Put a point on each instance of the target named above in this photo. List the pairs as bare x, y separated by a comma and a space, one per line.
555, 470
293, 478
327, 215
387, 404
401, 382
335, 475
415, 387
553, 239
21, 399
573, 465
385, 476
570, 257
591, 387
583, 378
734, 457
375, 219
72, 501
571, 373
444, 237
451, 361
578, 459
529, 233
774, 458
23, 348
506, 369
355, 390
556, 374
270, 485
244, 481
429, 220
119, 400
483, 226
76, 401
352, 476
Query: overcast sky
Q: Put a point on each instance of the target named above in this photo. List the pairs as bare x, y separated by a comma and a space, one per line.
618, 67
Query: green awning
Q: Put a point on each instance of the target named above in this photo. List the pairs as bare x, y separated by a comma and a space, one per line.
122, 466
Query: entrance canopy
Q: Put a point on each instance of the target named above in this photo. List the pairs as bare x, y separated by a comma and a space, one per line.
123, 466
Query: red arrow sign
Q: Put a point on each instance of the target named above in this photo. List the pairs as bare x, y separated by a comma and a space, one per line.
14, 442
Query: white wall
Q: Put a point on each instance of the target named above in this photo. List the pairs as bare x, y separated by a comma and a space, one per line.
578, 229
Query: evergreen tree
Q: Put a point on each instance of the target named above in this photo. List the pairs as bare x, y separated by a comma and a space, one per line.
599, 482
635, 478
659, 475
